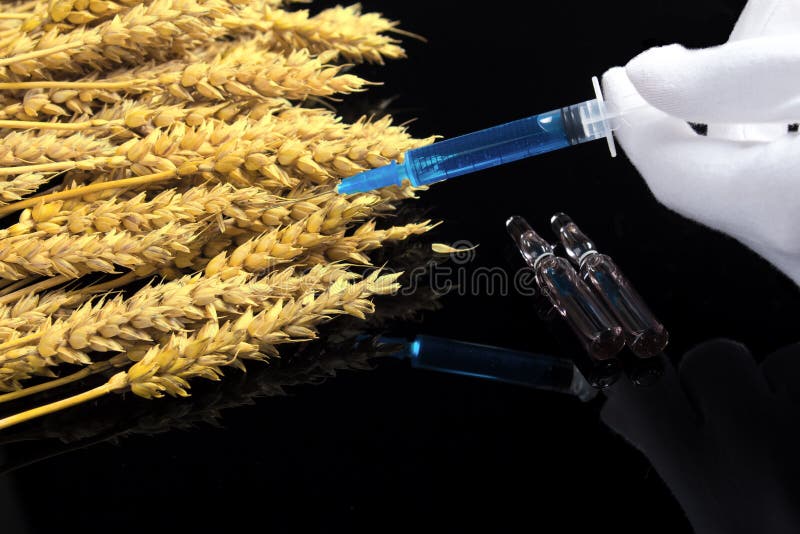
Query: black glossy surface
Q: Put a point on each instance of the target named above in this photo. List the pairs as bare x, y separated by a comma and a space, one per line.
402, 450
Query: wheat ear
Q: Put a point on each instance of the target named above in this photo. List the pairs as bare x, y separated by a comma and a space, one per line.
167, 369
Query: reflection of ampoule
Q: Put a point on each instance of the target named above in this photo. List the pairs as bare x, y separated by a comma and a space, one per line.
643, 332
598, 331
598, 373
643, 372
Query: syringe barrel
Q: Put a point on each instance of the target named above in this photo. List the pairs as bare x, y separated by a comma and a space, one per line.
509, 142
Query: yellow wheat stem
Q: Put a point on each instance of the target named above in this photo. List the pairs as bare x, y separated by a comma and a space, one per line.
64, 126
57, 84
39, 53
14, 343
39, 167
40, 411
116, 283
14, 286
87, 189
45, 284
88, 371
178, 149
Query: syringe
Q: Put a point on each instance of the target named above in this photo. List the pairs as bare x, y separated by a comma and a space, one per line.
560, 128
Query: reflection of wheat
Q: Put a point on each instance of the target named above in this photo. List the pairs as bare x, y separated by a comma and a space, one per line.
315, 364
170, 139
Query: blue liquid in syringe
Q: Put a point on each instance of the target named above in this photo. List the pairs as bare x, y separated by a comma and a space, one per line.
487, 148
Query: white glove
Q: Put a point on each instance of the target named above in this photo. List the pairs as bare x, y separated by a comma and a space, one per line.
744, 177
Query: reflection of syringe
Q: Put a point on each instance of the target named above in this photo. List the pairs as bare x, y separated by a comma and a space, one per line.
493, 363
538, 134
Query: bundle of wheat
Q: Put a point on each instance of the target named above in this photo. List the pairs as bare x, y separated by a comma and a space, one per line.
173, 145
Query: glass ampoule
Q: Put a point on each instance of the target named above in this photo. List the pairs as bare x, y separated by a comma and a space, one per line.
600, 333
598, 374
644, 334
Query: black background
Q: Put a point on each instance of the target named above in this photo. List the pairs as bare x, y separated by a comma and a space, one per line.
402, 450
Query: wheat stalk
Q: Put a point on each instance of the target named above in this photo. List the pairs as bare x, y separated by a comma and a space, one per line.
166, 369
242, 212
74, 256
138, 215
358, 37
120, 324
312, 142
30, 147
86, 11
303, 244
245, 153
244, 72
225, 280
171, 129
159, 30
169, 28
21, 186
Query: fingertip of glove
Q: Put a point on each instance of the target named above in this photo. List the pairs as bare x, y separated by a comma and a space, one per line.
656, 74
616, 84
655, 63
614, 76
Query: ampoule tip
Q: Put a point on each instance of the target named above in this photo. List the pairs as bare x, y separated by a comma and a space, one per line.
559, 221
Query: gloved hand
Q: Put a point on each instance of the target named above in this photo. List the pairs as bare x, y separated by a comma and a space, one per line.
744, 177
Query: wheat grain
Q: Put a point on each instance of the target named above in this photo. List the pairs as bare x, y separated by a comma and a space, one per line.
22, 186
159, 30
294, 148
26, 316
358, 37
31, 311
169, 28
167, 369
84, 11
137, 215
243, 73
172, 125
29, 147
303, 243
88, 11
74, 256
119, 324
